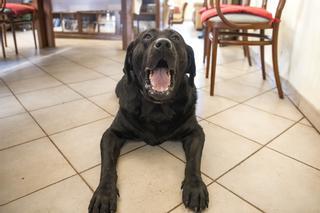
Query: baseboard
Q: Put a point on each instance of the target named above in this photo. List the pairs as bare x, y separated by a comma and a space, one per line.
305, 107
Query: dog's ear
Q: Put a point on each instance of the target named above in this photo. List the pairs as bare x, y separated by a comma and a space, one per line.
128, 67
191, 68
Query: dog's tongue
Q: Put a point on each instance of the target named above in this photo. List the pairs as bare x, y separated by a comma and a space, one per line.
160, 79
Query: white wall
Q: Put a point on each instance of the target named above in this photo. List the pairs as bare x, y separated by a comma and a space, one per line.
300, 47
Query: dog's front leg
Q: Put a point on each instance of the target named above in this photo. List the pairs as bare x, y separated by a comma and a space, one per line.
195, 195
104, 199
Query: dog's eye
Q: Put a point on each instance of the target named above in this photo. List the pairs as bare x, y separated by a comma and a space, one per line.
147, 36
175, 37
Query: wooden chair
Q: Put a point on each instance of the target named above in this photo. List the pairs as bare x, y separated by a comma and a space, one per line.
145, 15
176, 15
208, 5
13, 14
245, 19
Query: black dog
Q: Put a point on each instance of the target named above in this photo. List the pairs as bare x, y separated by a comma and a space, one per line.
157, 100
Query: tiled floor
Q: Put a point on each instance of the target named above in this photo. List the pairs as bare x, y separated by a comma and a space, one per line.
260, 155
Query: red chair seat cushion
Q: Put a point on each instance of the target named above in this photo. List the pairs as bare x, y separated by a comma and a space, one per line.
228, 9
18, 9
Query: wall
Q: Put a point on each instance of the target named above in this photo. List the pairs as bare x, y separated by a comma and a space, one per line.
299, 49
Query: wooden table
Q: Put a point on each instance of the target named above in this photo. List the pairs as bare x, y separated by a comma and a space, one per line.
45, 25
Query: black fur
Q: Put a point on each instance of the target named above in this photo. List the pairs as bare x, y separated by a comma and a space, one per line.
145, 118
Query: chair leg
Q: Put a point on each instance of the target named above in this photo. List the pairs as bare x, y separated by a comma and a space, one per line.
208, 55
246, 49
34, 33
14, 38
2, 44
275, 60
262, 58
205, 42
4, 31
214, 43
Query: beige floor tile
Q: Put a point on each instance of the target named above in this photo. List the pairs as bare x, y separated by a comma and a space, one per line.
4, 91
271, 102
207, 105
235, 91
252, 123
301, 142
241, 65
108, 101
222, 201
95, 87
85, 141
32, 84
47, 97
111, 68
18, 129
226, 73
305, 122
94, 61
254, 79
276, 183
116, 77
69, 196
51, 61
74, 76
64, 116
222, 150
201, 81
67, 65
156, 178
23, 74
10, 106
29, 167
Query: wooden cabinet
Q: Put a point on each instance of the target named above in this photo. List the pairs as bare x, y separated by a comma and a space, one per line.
101, 24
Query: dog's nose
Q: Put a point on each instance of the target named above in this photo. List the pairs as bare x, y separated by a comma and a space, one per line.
163, 43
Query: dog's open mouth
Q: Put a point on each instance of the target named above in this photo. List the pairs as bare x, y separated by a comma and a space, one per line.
159, 79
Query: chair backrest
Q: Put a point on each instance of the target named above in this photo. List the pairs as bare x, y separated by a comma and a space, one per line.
2, 5
281, 4
184, 9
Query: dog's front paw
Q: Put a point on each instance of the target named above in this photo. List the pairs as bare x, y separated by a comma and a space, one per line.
195, 195
104, 200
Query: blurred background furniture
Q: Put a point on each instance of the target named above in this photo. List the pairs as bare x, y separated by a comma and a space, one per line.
146, 14
95, 24
13, 14
240, 19
196, 17
176, 14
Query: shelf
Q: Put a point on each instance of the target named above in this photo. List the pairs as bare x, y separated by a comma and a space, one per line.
102, 24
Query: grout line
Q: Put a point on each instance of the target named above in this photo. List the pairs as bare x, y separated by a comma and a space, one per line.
52, 141
174, 208
251, 204
75, 127
288, 156
72, 89
22, 143
36, 90
259, 149
76, 62
57, 104
204, 174
51, 184
281, 116
12, 115
121, 155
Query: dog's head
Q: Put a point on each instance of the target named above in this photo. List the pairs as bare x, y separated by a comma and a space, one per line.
159, 61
